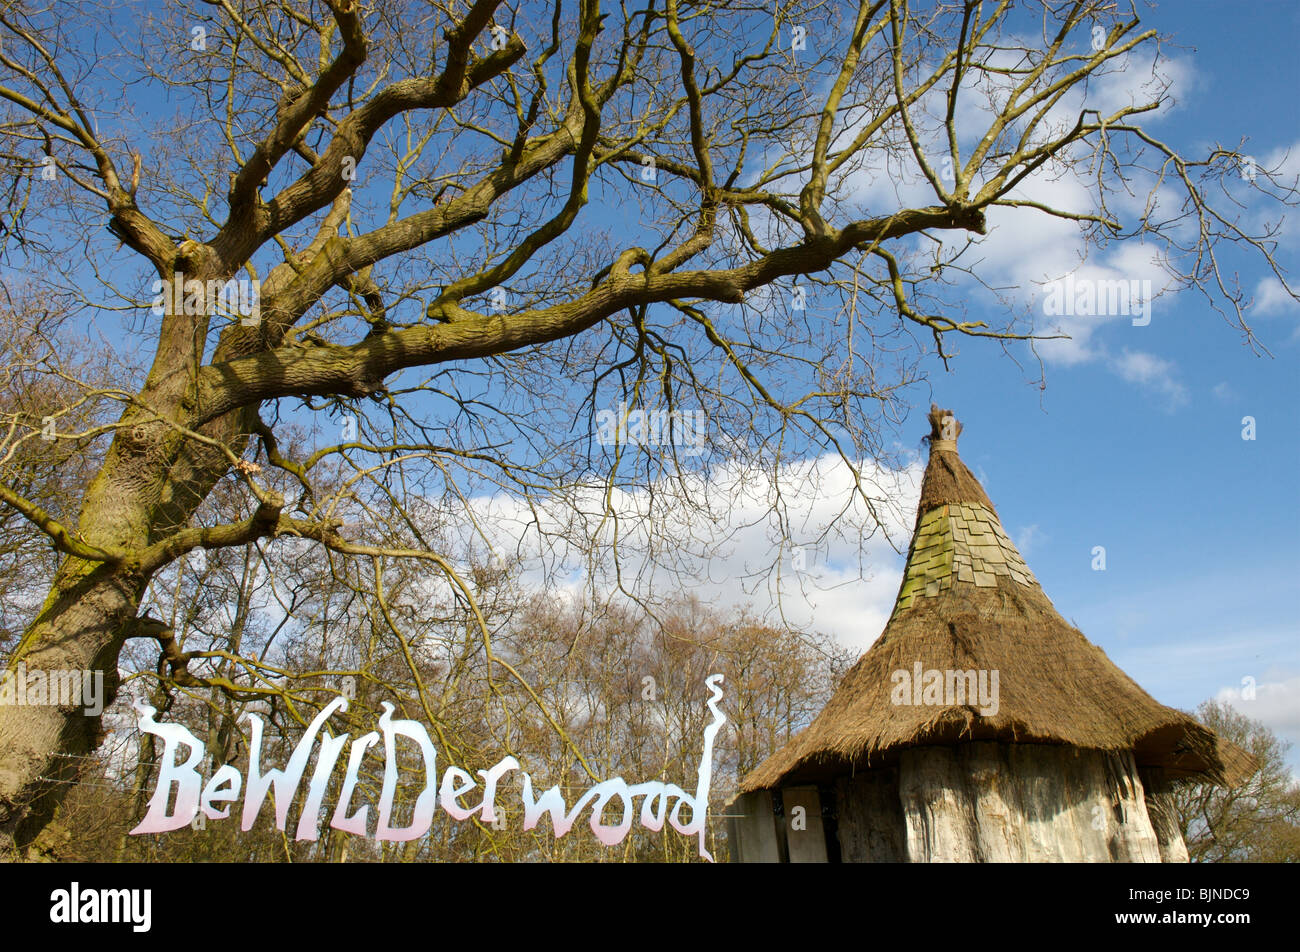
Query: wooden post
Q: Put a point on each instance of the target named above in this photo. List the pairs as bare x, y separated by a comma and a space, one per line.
752, 829
804, 832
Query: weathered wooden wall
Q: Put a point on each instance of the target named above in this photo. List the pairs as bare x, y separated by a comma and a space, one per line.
992, 802
989, 802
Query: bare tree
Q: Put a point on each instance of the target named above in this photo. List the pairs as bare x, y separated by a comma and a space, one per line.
1256, 820
461, 227
626, 691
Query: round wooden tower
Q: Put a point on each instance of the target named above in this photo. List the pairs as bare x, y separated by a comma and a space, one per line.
980, 726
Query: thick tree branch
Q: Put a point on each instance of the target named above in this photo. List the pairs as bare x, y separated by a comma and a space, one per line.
359, 369
252, 223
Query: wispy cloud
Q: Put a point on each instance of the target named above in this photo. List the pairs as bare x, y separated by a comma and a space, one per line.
1153, 373
1272, 300
1027, 538
1223, 392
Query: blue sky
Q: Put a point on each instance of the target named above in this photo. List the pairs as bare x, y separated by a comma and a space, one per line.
1136, 442
1200, 526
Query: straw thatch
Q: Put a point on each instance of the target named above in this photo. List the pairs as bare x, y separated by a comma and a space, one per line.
968, 603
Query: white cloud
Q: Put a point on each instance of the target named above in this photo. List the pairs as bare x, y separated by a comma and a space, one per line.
1271, 298
1283, 166
1151, 372
1025, 248
1276, 705
816, 561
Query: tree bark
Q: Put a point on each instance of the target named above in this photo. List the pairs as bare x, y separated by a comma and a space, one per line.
42, 747
151, 483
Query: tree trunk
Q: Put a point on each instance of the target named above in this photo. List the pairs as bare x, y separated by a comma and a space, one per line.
151, 483
42, 746
87, 617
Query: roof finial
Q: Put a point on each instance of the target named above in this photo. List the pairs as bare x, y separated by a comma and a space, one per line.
944, 430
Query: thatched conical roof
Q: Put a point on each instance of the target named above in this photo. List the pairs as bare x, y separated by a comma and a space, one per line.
969, 603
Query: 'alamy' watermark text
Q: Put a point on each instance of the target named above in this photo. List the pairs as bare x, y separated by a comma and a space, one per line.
977, 688
239, 298
23, 688
77, 905
680, 428
1086, 297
